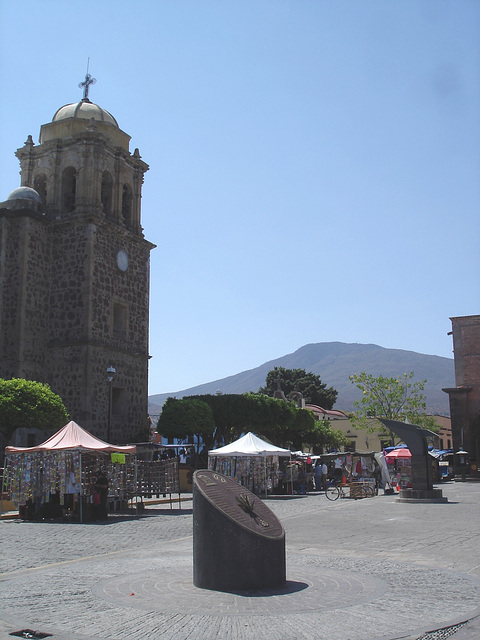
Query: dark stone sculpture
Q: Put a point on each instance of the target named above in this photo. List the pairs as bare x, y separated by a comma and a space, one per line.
415, 438
238, 542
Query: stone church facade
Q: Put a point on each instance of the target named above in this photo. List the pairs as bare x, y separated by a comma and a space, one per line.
74, 271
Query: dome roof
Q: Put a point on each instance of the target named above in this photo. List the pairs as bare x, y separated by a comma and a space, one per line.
24, 193
84, 110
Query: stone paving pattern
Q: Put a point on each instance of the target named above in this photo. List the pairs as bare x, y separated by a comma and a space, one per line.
356, 570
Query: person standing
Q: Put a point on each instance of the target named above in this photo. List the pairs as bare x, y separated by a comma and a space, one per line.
377, 474
101, 486
71, 490
318, 476
324, 476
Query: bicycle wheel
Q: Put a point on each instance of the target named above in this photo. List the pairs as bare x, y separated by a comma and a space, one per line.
369, 491
332, 493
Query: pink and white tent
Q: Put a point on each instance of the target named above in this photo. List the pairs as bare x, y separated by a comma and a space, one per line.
72, 443
72, 437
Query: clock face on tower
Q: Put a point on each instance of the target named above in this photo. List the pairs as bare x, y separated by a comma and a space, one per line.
122, 260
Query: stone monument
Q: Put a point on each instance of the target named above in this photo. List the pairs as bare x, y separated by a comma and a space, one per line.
238, 542
415, 438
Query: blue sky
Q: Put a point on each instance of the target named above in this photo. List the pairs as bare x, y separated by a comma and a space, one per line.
314, 165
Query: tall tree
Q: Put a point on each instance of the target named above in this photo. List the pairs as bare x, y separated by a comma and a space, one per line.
308, 384
399, 398
280, 422
185, 418
235, 414
26, 403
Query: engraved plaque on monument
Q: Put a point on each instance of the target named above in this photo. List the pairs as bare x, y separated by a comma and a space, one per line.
238, 542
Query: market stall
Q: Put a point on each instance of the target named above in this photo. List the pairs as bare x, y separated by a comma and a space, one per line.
58, 476
355, 467
400, 466
251, 461
442, 464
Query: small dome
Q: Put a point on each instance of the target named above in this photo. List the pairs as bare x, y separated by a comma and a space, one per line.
85, 110
24, 193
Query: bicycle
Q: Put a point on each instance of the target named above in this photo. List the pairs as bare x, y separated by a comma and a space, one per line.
353, 490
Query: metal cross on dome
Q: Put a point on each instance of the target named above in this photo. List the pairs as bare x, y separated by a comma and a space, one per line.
87, 82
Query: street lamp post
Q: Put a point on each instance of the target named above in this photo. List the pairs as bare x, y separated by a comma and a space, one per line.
110, 376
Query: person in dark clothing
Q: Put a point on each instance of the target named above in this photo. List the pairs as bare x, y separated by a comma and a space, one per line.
377, 474
101, 486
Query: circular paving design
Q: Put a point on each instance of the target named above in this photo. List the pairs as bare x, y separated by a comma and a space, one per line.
314, 584
126, 597
307, 589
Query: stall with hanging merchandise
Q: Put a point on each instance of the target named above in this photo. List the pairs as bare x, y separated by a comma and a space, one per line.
58, 476
158, 477
250, 461
399, 460
356, 467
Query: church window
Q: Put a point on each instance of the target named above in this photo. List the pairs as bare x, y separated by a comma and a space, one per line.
69, 184
127, 205
40, 186
107, 187
120, 319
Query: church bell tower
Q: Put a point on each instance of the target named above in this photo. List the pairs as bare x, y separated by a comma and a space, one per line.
74, 271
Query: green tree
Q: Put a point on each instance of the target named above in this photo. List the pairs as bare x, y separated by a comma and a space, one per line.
399, 398
278, 421
235, 414
185, 418
310, 386
26, 403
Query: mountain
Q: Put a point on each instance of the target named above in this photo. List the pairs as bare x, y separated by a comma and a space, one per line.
334, 362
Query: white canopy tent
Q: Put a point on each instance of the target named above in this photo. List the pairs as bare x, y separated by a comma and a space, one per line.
250, 445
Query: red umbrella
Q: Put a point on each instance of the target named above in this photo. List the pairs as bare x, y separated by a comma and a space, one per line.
399, 453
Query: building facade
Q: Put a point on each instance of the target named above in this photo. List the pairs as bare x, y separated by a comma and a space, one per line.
74, 271
465, 396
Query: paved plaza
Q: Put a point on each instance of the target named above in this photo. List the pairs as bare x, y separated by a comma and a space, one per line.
356, 570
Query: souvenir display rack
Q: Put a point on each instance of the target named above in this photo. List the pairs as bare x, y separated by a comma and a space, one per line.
261, 475
157, 477
42, 477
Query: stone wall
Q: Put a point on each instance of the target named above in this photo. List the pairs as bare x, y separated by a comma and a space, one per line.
465, 396
24, 294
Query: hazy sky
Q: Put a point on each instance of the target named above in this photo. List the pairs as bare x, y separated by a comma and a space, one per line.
314, 165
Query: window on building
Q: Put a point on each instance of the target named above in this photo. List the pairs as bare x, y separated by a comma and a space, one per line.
351, 446
40, 186
69, 185
118, 401
441, 443
127, 205
106, 195
120, 319
449, 444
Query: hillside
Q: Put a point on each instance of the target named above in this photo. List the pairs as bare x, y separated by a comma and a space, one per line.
334, 362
